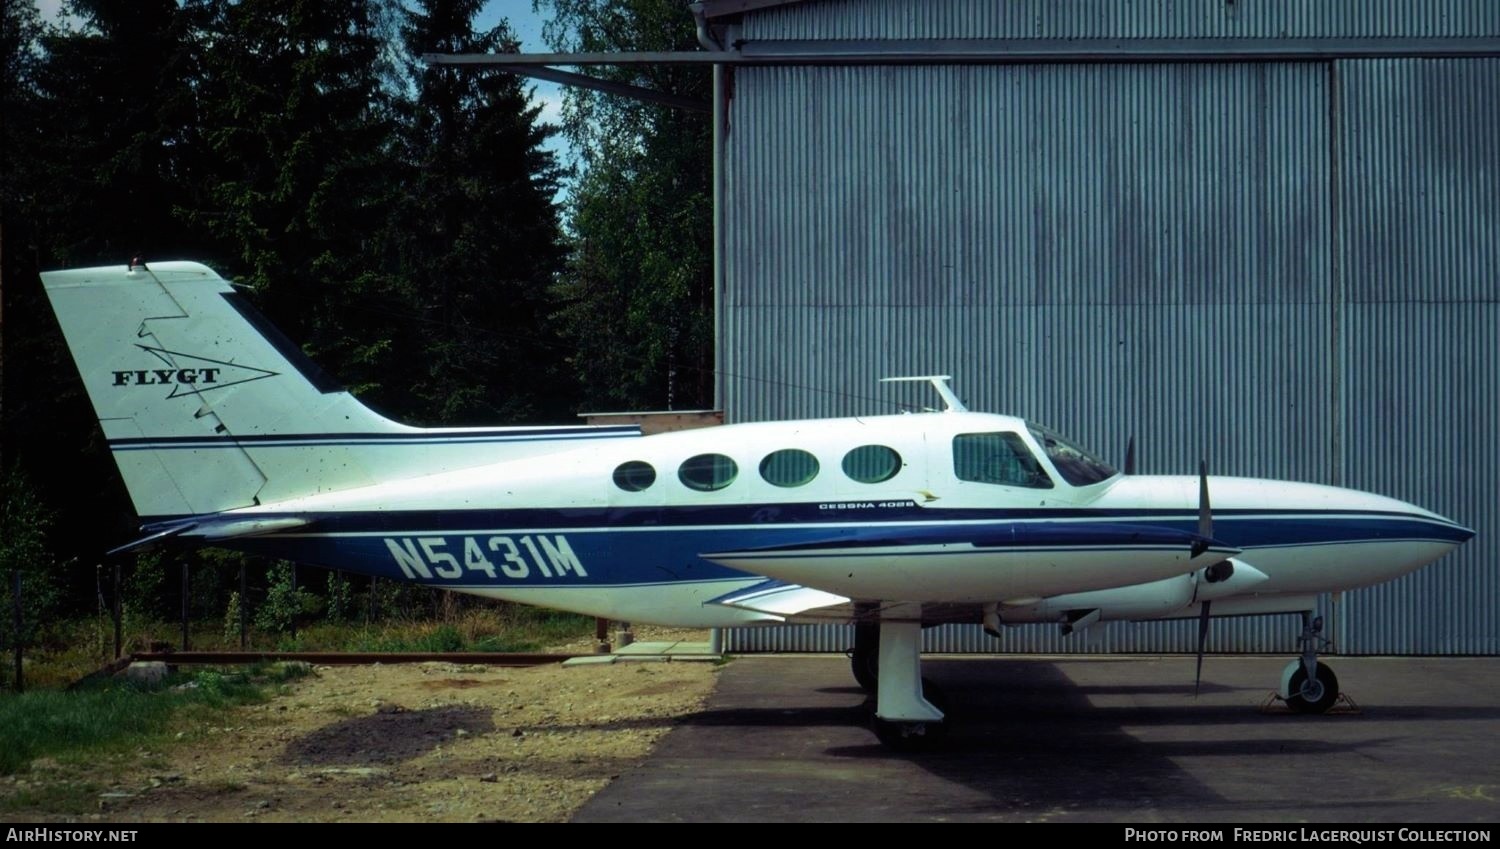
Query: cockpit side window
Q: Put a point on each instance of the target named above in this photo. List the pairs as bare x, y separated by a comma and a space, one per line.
1077, 466
997, 458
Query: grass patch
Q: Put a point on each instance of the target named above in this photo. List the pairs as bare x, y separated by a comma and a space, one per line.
115, 714
58, 797
517, 629
73, 649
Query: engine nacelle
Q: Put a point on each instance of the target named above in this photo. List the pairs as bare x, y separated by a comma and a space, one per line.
1153, 600
1137, 601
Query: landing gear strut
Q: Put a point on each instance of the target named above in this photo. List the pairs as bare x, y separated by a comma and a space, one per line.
1306, 685
865, 656
906, 718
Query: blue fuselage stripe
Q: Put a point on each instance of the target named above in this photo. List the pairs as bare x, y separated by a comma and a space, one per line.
635, 546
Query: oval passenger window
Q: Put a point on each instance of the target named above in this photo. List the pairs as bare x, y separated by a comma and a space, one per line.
872, 463
634, 476
789, 467
707, 472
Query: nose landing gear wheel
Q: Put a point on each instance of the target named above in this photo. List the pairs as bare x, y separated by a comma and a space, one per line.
1313, 695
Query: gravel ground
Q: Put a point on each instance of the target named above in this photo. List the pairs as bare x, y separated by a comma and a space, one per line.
409, 742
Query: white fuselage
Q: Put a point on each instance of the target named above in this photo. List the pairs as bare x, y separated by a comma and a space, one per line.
563, 530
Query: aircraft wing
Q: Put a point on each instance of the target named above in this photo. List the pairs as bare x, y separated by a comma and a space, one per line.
1006, 560
997, 534
784, 600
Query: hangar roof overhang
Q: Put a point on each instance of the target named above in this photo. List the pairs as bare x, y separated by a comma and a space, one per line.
711, 15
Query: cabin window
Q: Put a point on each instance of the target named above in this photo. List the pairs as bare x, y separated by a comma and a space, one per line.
872, 463
634, 476
789, 467
707, 472
998, 458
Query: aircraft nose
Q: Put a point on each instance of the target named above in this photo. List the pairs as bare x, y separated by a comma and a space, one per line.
1447, 530
1441, 528
1460, 534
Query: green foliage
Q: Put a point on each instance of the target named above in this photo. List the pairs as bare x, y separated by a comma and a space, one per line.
284, 604
232, 619
24, 522
213, 575
445, 638
525, 629
144, 587
496, 628
401, 601
642, 215
340, 599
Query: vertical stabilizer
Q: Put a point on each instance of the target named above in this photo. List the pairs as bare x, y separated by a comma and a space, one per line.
206, 407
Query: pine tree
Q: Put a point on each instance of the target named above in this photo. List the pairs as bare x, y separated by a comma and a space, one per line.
478, 235
298, 129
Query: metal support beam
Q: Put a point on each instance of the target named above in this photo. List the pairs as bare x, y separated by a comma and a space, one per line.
1009, 51
986, 51
650, 95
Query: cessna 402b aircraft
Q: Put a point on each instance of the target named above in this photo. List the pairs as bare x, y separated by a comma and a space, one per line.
226, 435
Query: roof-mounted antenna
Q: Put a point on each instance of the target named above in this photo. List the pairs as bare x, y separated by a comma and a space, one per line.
940, 383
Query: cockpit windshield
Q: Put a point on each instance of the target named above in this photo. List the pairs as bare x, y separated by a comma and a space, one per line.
1077, 466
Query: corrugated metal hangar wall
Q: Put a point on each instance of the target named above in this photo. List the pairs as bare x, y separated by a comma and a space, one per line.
1289, 267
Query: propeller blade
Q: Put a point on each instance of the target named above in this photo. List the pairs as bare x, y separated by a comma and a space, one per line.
1202, 640
1205, 513
1130, 456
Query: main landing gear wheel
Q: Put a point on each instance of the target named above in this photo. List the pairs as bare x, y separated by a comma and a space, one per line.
1313, 695
916, 736
864, 659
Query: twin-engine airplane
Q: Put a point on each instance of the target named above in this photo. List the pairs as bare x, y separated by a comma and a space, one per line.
226, 435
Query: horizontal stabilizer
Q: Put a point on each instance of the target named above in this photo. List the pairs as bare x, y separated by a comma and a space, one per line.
208, 530
778, 598
153, 539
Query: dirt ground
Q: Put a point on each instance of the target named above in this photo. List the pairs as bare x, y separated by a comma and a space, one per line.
413, 742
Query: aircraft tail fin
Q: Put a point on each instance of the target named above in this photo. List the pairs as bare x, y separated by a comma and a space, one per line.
206, 407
